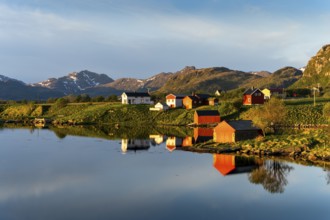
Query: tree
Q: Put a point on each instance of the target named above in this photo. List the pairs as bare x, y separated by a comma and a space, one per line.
59, 103
98, 99
271, 114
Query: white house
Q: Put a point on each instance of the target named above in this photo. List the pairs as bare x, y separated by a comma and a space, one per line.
136, 98
160, 107
174, 101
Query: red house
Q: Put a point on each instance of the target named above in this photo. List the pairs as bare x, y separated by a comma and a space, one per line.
206, 117
174, 101
253, 96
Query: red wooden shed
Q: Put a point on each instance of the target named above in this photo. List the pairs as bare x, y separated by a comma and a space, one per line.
232, 131
253, 96
206, 117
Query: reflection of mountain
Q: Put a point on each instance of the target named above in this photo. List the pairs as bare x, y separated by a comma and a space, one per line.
134, 144
231, 164
271, 175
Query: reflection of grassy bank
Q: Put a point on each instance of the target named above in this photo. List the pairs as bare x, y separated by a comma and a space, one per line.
310, 145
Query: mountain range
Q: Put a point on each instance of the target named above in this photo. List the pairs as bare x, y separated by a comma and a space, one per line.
187, 80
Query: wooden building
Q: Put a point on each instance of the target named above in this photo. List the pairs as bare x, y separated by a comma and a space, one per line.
174, 101
213, 101
266, 93
253, 96
136, 98
190, 102
206, 117
232, 131
195, 100
160, 107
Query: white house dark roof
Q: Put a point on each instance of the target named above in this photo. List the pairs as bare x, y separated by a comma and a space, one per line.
137, 94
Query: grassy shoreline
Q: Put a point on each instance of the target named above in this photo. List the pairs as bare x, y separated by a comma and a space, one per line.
306, 146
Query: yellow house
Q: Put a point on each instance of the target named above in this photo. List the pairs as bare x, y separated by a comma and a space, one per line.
266, 93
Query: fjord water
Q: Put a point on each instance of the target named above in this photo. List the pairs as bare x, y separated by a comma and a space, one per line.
48, 176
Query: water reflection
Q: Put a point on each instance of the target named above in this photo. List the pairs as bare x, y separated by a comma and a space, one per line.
272, 175
231, 164
89, 178
173, 143
134, 144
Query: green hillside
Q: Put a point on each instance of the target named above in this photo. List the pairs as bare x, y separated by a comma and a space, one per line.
317, 72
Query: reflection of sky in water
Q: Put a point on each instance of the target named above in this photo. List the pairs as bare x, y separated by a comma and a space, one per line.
43, 177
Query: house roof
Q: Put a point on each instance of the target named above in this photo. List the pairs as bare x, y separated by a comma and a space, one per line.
203, 96
178, 96
279, 90
137, 94
194, 98
250, 91
245, 125
162, 103
207, 112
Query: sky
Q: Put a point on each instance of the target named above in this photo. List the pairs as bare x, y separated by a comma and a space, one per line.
40, 39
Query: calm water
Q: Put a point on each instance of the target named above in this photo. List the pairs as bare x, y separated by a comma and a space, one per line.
46, 177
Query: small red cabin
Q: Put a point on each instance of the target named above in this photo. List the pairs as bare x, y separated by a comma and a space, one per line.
206, 117
253, 96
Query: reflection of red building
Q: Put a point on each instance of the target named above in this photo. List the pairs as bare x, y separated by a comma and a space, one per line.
230, 164
203, 134
224, 163
173, 142
187, 142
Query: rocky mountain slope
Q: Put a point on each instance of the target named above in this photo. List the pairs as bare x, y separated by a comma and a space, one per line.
206, 80
75, 83
317, 72
12, 89
130, 84
281, 78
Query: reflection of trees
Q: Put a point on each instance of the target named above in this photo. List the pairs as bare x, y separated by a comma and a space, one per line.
60, 135
327, 175
271, 175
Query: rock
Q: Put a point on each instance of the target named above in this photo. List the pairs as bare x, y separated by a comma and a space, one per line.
312, 157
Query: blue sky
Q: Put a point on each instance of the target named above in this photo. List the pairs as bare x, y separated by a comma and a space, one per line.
139, 38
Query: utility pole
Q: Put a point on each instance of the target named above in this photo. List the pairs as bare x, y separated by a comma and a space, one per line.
314, 90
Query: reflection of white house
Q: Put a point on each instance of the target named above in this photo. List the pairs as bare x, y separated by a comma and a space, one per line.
160, 107
134, 144
158, 138
136, 98
173, 142
174, 101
